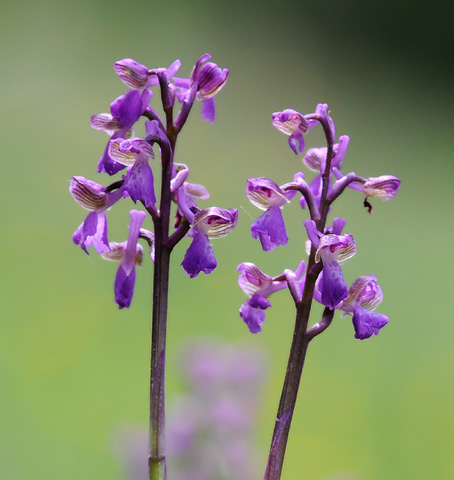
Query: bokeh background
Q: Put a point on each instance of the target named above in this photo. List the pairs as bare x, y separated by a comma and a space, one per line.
73, 368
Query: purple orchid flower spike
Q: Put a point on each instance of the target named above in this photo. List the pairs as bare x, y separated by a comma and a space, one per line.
130, 254
294, 124
94, 197
124, 113
269, 228
205, 82
333, 250
363, 298
207, 224
139, 181
259, 286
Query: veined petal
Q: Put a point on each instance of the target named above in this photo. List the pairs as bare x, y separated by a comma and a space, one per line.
88, 194
252, 279
385, 187
335, 247
364, 292
196, 190
132, 73
105, 122
126, 158
215, 222
289, 121
264, 193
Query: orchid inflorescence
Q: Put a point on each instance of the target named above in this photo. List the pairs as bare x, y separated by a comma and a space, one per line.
322, 279
126, 151
326, 245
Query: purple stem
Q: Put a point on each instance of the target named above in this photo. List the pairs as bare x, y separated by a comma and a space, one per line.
157, 456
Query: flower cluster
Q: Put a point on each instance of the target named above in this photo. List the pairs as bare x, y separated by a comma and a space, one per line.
327, 247
126, 152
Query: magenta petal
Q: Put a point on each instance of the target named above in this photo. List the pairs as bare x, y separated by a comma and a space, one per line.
253, 312
208, 110
367, 323
199, 257
270, 228
139, 183
124, 287
334, 288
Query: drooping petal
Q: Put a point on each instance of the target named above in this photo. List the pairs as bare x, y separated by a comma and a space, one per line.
124, 287
208, 110
139, 183
93, 232
199, 257
253, 312
270, 229
333, 286
367, 323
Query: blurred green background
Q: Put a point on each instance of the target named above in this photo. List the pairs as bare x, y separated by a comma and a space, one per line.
73, 368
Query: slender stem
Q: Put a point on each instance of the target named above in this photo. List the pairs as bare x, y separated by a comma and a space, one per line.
294, 366
157, 456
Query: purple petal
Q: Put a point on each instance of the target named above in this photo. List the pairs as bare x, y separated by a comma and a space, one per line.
199, 257
334, 288
270, 228
296, 141
93, 232
367, 323
124, 287
107, 164
139, 183
208, 110
253, 312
